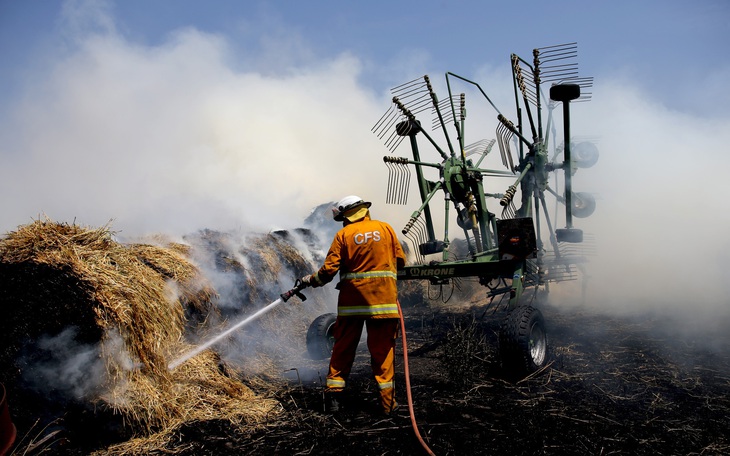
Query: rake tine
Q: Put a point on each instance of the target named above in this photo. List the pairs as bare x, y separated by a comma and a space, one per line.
414, 232
504, 135
383, 119
393, 117
418, 106
566, 50
394, 141
413, 94
406, 179
398, 190
398, 179
558, 56
395, 191
417, 81
584, 83
445, 107
388, 195
419, 237
551, 73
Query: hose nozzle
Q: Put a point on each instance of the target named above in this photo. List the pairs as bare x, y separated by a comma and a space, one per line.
296, 291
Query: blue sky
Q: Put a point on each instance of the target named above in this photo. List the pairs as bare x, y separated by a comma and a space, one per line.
171, 116
669, 47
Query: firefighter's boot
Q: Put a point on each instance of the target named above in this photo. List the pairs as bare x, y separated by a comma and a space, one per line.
387, 400
333, 402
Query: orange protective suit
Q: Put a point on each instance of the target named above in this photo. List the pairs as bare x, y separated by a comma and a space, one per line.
367, 255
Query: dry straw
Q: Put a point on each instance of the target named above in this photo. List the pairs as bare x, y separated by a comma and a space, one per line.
140, 295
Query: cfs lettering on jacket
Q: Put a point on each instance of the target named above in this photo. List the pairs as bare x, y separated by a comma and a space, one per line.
362, 238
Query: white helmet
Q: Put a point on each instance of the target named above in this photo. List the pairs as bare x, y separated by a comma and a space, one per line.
345, 204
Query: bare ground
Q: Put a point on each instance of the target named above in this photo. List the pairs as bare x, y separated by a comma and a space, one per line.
613, 386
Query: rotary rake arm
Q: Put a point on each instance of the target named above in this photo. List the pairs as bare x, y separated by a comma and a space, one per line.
503, 247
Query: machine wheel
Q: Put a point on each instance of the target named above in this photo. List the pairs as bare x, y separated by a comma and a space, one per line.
523, 341
583, 204
320, 339
585, 154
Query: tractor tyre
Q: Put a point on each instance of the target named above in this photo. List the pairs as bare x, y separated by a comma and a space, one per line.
523, 342
320, 339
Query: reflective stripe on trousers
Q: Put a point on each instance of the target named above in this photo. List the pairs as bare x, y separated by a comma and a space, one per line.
335, 383
367, 311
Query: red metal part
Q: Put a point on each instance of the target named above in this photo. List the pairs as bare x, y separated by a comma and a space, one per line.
7, 428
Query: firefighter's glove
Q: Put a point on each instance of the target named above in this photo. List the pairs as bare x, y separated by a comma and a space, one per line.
309, 281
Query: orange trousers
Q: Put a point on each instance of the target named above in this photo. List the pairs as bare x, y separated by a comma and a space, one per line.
381, 335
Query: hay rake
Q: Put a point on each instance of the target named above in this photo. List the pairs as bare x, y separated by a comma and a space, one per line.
522, 247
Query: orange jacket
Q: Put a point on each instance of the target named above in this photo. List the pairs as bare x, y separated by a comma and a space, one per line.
367, 255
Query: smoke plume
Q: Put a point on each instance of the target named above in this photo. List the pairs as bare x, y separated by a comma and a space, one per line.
180, 136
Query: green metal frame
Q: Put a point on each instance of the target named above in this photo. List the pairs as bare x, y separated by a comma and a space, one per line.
462, 183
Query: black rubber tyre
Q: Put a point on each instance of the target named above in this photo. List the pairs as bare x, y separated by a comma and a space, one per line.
319, 336
564, 92
584, 154
523, 342
573, 235
584, 204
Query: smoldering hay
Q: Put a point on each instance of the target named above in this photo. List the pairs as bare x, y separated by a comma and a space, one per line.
134, 302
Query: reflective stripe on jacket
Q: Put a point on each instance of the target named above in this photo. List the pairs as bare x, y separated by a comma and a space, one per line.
367, 254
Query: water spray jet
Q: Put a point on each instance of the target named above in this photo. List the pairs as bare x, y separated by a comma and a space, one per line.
284, 297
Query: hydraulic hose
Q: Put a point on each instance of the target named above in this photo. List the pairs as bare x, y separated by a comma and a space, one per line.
408, 384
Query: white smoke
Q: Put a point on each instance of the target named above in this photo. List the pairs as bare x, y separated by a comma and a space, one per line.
62, 365
181, 136
172, 139
661, 216
252, 328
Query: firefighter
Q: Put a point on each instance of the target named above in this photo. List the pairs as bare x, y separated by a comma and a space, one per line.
367, 255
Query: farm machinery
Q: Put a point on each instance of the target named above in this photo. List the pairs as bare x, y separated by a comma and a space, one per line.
521, 248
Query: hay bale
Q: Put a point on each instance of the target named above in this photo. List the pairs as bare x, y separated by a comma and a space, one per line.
131, 300
253, 269
260, 265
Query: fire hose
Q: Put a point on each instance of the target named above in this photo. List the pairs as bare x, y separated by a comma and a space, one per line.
408, 384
